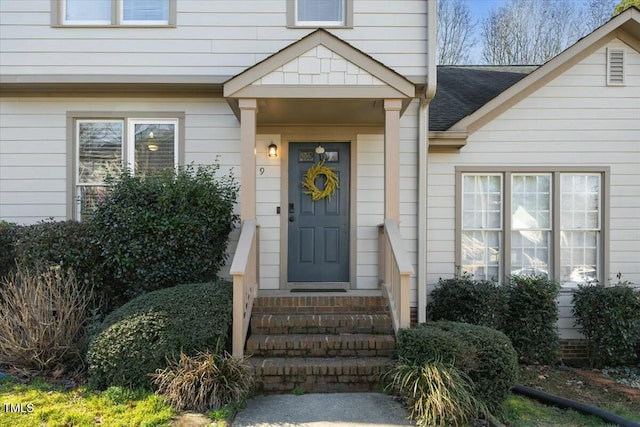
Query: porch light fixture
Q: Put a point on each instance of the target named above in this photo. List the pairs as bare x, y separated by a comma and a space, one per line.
272, 150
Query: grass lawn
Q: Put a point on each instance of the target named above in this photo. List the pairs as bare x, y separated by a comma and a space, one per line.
586, 387
51, 406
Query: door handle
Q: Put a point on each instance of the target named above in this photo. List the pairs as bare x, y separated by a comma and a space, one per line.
291, 208
291, 219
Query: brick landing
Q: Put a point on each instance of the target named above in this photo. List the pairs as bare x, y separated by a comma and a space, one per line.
320, 343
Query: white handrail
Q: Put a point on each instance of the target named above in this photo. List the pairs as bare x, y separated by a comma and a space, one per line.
244, 269
394, 272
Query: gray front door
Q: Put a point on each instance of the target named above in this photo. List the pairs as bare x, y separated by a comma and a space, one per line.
318, 231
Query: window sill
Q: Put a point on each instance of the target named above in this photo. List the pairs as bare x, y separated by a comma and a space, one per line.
315, 27
113, 26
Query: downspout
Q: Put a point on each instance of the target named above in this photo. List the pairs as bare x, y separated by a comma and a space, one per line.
423, 152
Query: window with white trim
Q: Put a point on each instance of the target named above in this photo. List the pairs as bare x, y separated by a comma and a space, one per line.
115, 12
104, 147
551, 226
319, 13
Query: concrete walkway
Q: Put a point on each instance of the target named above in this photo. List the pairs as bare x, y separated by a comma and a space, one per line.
323, 410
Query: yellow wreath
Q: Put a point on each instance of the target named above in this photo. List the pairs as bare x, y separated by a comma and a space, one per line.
330, 184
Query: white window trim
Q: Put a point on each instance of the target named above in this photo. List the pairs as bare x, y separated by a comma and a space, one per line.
556, 172
73, 117
58, 17
293, 22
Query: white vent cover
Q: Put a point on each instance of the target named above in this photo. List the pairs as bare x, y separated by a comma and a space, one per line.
615, 66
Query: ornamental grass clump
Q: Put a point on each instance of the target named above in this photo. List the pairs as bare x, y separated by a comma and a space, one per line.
436, 393
44, 318
207, 380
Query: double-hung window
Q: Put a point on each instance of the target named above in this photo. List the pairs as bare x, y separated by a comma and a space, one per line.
320, 13
116, 12
105, 147
531, 223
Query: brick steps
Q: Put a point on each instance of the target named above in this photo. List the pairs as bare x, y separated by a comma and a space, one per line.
320, 343
275, 324
320, 305
320, 375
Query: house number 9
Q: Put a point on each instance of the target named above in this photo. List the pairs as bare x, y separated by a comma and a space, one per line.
261, 170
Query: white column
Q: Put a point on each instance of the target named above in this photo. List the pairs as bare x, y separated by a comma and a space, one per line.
392, 158
248, 112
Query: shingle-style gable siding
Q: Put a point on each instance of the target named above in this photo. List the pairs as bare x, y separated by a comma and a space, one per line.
213, 38
574, 120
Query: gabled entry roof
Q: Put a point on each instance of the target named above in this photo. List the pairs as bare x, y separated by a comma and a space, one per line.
320, 65
319, 80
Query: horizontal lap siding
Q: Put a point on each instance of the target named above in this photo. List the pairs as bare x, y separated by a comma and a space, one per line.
217, 38
369, 207
33, 146
267, 202
575, 120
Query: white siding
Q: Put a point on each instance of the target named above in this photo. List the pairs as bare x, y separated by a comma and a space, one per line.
575, 120
370, 207
267, 201
212, 38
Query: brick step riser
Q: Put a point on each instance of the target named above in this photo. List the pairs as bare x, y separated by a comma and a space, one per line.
267, 324
320, 304
320, 379
382, 309
321, 345
284, 330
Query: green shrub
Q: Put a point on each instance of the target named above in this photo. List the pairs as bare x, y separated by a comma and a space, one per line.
207, 380
531, 319
8, 235
609, 319
437, 394
484, 354
137, 338
162, 229
463, 299
44, 319
66, 244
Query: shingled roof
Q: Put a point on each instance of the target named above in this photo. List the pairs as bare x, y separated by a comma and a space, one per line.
464, 89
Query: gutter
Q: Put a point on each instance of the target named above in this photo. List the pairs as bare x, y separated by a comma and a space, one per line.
423, 152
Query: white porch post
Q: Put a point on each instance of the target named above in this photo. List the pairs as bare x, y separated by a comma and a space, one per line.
392, 158
248, 111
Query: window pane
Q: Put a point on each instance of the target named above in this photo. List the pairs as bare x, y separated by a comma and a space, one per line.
482, 202
531, 202
88, 10
580, 202
88, 198
99, 150
481, 254
145, 10
530, 253
154, 146
321, 10
579, 256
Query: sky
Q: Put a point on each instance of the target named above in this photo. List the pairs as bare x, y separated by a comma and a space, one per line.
480, 9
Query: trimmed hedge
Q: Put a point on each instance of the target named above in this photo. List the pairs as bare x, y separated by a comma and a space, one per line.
531, 321
136, 339
164, 228
463, 299
484, 354
609, 318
